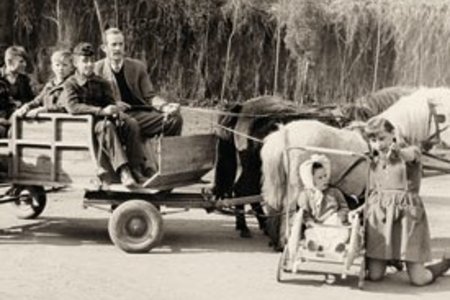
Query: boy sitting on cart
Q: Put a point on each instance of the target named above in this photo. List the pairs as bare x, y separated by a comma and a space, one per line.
47, 100
86, 93
322, 205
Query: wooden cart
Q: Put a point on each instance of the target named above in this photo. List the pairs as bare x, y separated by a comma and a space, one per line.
57, 150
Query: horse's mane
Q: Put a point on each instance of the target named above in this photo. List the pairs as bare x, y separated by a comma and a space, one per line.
375, 103
380, 100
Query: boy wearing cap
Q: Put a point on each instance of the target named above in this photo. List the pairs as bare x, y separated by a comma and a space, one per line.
47, 100
86, 93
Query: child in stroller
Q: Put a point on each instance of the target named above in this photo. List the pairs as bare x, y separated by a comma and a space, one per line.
322, 205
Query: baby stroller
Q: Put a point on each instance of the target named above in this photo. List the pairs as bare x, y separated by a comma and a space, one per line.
299, 257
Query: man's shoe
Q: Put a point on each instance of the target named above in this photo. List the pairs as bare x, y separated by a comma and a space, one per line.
127, 178
140, 178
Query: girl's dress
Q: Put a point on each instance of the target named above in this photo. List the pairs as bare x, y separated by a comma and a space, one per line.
397, 225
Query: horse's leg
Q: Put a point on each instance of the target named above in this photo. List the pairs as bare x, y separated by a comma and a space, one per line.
225, 169
249, 183
255, 167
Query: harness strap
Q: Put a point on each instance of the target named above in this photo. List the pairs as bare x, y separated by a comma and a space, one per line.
442, 159
349, 169
433, 117
238, 133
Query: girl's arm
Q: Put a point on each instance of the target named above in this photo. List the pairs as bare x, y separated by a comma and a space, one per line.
410, 153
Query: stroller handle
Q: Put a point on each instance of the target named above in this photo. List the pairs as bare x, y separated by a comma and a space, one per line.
329, 151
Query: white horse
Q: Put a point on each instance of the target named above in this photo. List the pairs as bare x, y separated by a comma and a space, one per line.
414, 117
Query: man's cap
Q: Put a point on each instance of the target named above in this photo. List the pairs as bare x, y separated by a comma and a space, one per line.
84, 49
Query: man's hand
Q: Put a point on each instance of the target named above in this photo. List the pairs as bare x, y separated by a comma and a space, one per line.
109, 110
171, 108
4, 122
123, 106
16, 103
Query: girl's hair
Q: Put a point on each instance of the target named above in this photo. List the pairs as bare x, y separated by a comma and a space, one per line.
377, 125
316, 165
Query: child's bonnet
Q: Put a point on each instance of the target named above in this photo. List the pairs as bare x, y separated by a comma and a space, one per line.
306, 175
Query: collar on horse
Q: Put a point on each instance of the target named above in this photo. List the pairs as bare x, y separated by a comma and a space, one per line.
436, 119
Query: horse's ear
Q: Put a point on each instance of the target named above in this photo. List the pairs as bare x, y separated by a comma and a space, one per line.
236, 108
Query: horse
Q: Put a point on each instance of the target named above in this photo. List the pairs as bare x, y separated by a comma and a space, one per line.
413, 117
372, 104
254, 118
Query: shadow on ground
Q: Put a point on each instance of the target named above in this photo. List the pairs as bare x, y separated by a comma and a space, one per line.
180, 235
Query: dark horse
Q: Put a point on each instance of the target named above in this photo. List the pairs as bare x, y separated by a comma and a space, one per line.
256, 118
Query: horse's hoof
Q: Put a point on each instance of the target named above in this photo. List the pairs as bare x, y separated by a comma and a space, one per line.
246, 234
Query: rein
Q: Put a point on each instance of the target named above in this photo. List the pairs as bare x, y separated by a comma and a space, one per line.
238, 133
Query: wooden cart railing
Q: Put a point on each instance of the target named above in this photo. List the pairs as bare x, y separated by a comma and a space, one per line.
59, 149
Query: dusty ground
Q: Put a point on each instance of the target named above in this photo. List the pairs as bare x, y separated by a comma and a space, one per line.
67, 254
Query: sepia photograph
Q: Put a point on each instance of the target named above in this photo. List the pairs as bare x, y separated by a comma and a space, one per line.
224, 149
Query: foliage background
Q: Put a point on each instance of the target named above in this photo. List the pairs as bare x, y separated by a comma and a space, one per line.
205, 51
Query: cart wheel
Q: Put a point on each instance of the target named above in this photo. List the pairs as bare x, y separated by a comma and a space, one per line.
31, 201
282, 264
362, 274
135, 226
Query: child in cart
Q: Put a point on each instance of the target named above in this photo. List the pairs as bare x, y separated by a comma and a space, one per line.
48, 99
322, 205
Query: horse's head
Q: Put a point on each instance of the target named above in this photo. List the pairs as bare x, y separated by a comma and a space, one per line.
357, 126
354, 112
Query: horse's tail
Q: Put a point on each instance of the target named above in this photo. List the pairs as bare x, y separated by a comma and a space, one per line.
274, 174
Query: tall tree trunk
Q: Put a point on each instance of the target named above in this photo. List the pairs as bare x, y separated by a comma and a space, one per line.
6, 25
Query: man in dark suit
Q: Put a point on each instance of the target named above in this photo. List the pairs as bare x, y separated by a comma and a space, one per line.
132, 88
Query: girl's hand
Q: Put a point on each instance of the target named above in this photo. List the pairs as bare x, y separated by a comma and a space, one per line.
35, 112
394, 149
353, 213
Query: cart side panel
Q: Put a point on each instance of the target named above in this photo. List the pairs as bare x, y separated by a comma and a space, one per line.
183, 160
53, 149
187, 153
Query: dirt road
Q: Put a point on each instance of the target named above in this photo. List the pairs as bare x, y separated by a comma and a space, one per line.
67, 254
